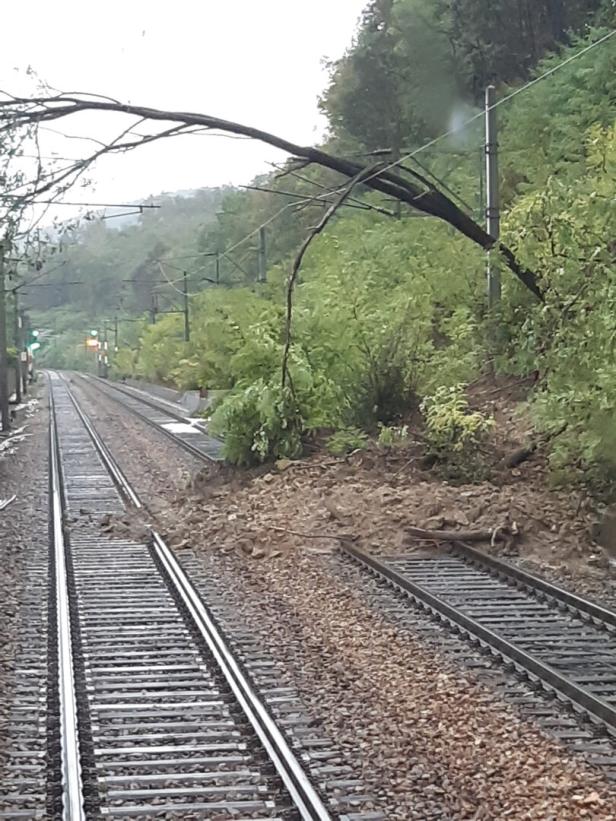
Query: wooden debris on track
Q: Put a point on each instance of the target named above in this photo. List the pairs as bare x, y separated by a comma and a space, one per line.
504, 533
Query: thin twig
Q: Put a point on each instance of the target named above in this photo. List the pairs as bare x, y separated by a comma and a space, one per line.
365, 172
404, 467
347, 536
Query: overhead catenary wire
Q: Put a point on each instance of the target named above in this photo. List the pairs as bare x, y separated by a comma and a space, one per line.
170, 283
480, 114
450, 132
252, 233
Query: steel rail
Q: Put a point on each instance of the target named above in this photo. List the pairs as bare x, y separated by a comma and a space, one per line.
156, 402
292, 774
529, 580
110, 463
597, 708
169, 434
72, 787
289, 769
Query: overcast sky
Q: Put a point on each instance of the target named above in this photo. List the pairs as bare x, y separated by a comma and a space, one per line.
254, 61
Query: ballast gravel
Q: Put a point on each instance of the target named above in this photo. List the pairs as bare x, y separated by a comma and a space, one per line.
427, 739
142, 453
438, 744
23, 551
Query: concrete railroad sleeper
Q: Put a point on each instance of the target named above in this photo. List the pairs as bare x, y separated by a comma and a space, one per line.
156, 716
559, 641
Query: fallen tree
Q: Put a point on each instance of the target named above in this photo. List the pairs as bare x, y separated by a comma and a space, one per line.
399, 183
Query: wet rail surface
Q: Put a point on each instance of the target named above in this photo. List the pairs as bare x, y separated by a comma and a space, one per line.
156, 719
559, 641
543, 632
165, 416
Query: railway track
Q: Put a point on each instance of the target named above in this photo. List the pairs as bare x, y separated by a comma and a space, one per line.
564, 646
155, 715
561, 643
164, 416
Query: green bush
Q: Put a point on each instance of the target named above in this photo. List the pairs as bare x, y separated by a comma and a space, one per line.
260, 423
454, 434
392, 436
346, 441
566, 231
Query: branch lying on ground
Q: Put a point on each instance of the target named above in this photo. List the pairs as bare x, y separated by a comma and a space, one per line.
349, 537
518, 456
505, 533
525, 452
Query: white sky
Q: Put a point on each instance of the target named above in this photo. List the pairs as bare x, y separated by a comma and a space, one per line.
254, 61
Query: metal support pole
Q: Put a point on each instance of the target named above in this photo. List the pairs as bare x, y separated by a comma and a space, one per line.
154, 309
4, 365
262, 255
23, 351
17, 341
115, 334
217, 267
99, 354
105, 368
186, 317
481, 204
492, 191
395, 157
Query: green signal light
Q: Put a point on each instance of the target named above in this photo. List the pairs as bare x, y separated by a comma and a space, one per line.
93, 333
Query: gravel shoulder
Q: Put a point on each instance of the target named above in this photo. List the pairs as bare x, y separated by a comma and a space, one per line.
426, 737
23, 558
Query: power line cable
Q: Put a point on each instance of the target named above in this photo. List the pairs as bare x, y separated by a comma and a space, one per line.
444, 135
498, 103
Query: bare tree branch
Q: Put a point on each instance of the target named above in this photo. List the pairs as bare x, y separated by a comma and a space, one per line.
320, 186
298, 261
16, 111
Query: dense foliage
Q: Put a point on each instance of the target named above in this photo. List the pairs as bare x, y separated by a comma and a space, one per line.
567, 231
389, 315
416, 65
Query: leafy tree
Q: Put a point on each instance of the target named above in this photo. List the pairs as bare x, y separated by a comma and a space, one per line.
543, 130
416, 64
568, 229
502, 43
394, 86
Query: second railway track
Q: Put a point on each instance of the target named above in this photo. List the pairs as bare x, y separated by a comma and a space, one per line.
157, 717
561, 643
164, 416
